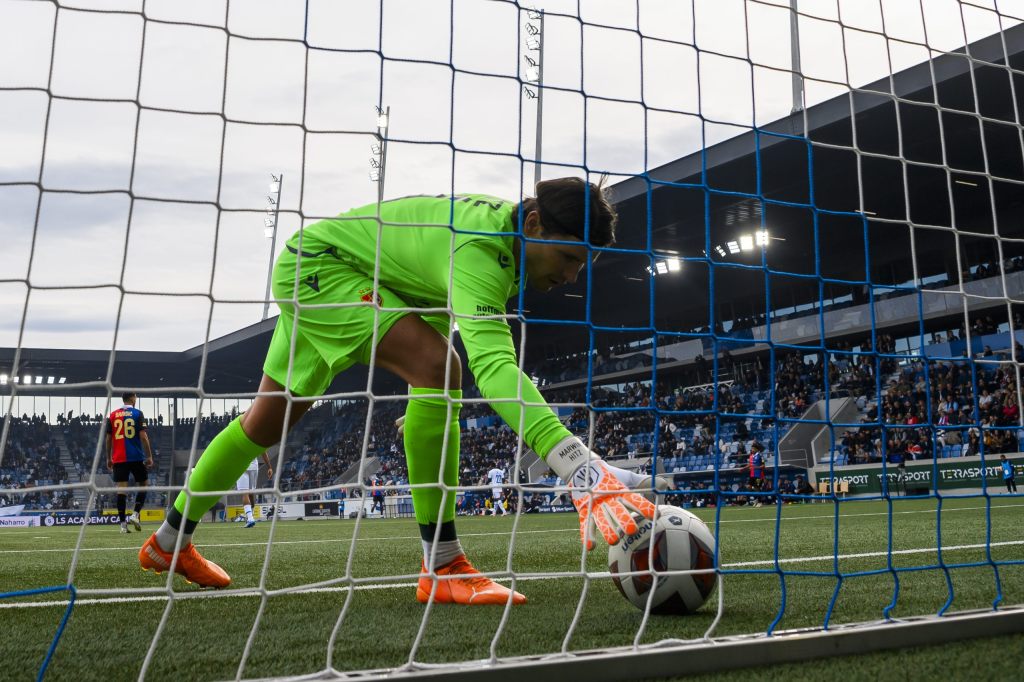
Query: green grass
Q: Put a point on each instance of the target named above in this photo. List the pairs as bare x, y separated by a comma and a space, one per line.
204, 637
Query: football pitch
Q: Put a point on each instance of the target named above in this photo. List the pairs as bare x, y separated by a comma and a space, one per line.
108, 634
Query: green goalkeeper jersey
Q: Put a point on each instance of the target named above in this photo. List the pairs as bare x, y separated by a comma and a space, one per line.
433, 246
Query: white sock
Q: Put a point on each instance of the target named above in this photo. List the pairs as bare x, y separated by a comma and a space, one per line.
447, 551
248, 512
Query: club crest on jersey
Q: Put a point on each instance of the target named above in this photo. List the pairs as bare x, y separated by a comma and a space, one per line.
366, 296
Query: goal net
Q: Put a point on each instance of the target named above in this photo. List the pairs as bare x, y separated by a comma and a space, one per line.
810, 324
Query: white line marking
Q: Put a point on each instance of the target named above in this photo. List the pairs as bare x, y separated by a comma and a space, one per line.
710, 523
276, 542
390, 586
868, 555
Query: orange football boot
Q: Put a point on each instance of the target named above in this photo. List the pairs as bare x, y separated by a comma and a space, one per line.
474, 588
190, 564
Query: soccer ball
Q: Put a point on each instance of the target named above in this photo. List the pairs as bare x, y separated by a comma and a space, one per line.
681, 542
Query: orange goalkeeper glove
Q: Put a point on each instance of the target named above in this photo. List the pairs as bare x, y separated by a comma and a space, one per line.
599, 492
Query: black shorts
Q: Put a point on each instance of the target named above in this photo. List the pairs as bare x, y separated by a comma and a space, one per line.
136, 469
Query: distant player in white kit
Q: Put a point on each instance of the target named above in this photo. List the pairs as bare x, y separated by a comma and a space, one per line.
247, 482
496, 477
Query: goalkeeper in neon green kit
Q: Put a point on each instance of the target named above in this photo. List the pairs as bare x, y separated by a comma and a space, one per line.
461, 253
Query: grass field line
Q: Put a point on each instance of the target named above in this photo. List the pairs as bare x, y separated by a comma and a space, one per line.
280, 542
388, 586
489, 533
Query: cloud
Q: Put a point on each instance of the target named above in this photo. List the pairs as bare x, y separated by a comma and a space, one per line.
175, 247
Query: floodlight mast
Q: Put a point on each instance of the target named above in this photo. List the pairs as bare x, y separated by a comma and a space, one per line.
270, 231
378, 162
535, 42
794, 51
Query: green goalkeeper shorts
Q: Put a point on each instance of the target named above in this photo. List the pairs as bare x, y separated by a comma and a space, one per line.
339, 331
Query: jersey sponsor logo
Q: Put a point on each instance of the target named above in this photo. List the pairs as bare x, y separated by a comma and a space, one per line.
504, 261
488, 310
313, 282
366, 296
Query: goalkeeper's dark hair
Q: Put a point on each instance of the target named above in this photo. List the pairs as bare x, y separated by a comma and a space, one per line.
562, 205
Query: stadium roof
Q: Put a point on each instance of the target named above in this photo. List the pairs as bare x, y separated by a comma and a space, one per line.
914, 184
710, 198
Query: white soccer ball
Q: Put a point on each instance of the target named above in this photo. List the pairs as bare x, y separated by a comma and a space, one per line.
682, 542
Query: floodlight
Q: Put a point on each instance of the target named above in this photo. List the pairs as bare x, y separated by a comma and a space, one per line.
674, 265
720, 250
275, 187
650, 270
382, 118
532, 43
15, 379
268, 232
374, 176
761, 237
733, 247
662, 267
3, 379
746, 242
532, 74
532, 29
49, 380
268, 222
39, 380
62, 380
375, 148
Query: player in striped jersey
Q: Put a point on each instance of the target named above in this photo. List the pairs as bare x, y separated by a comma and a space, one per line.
129, 455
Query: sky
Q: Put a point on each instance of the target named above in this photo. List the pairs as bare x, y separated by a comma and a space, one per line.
193, 108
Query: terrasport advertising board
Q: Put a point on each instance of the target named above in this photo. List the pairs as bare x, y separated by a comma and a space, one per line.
951, 474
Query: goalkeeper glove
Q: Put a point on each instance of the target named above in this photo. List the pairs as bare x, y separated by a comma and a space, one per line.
600, 492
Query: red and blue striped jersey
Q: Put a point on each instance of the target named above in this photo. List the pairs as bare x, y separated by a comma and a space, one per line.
125, 426
756, 463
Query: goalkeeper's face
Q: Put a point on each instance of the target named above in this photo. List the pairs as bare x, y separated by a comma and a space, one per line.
554, 264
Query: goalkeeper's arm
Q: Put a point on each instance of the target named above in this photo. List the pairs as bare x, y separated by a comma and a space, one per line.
598, 493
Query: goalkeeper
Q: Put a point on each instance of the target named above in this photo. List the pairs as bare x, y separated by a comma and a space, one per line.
461, 253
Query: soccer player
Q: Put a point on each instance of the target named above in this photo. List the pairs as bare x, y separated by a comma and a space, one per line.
755, 465
247, 482
376, 265
496, 477
129, 454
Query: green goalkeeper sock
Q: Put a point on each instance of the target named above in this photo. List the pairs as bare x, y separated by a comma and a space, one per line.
426, 421
223, 462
